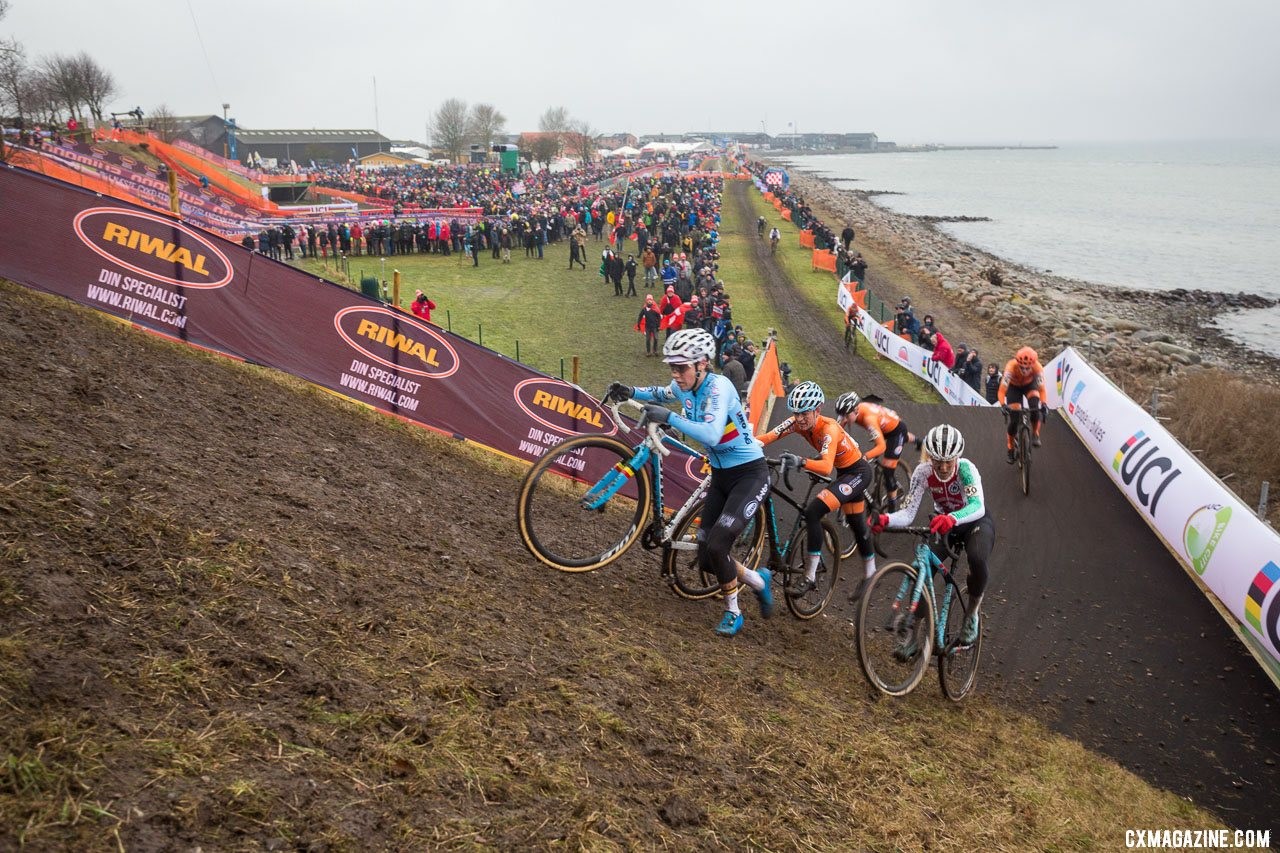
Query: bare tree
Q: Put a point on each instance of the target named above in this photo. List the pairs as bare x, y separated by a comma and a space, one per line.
581, 139
449, 128
15, 79
548, 144
163, 123
61, 77
485, 125
97, 85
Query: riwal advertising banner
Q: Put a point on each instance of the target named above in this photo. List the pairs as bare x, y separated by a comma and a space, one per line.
1202, 522
911, 357
173, 279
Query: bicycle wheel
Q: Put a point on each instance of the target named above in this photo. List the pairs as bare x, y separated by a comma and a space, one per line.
958, 666
1024, 458
877, 503
809, 604
894, 645
680, 560
553, 524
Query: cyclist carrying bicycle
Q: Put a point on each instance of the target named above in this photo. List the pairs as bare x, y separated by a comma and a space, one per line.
711, 414
1023, 377
956, 488
888, 432
838, 452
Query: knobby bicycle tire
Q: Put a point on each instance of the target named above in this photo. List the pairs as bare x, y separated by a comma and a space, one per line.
1024, 458
681, 567
810, 604
557, 529
880, 640
958, 667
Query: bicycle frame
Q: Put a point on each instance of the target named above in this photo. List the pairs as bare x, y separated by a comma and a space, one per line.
777, 546
927, 564
650, 451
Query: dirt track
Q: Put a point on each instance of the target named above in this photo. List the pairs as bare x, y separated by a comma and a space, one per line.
1093, 625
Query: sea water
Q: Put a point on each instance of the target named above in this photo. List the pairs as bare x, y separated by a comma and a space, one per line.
1147, 215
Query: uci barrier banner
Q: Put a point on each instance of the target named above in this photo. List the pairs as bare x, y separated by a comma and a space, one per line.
1201, 521
906, 354
170, 278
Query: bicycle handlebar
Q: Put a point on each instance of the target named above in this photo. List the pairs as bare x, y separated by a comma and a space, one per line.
654, 436
953, 552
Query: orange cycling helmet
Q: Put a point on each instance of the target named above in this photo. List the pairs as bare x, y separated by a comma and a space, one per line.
1026, 357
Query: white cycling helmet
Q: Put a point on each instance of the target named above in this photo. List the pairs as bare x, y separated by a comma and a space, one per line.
805, 397
689, 346
944, 443
846, 403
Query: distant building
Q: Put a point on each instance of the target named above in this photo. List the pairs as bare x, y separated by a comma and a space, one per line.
617, 140
331, 146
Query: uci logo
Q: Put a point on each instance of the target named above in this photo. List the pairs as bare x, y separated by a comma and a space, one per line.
154, 246
1140, 464
561, 407
1063, 376
1266, 581
396, 340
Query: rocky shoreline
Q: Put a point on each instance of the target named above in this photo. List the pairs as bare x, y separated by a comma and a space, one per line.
1127, 332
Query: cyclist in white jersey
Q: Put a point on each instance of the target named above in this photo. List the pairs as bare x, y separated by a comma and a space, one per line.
956, 488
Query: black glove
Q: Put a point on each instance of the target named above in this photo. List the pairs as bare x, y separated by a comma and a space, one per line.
792, 461
618, 392
657, 414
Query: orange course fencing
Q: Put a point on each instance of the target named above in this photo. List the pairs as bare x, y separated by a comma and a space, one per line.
806, 239
824, 260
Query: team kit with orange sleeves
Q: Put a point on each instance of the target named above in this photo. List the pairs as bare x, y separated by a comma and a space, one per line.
889, 434
837, 453
1023, 377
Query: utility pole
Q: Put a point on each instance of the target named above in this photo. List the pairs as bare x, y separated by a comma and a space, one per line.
226, 133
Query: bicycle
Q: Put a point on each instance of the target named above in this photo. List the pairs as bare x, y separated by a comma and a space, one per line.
1021, 445
851, 333
877, 503
601, 474
900, 624
785, 557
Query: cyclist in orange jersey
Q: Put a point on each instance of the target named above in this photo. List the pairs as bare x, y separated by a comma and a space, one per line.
888, 432
1023, 377
838, 454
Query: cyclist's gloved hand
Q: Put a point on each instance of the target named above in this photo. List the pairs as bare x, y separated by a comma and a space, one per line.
618, 392
880, 523
657, 414
792, 461
942, 524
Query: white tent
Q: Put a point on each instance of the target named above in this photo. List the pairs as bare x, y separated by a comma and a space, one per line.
624, 151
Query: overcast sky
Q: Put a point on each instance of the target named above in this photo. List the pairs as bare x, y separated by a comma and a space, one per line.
1008, 71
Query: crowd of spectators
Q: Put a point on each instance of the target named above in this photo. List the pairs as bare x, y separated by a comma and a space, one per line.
963, 361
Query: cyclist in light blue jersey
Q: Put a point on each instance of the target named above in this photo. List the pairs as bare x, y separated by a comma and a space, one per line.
711, 413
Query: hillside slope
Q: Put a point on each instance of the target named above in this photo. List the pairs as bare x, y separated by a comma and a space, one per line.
237, 612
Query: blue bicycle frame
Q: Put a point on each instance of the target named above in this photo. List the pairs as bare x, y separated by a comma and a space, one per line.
926, 565
609, 485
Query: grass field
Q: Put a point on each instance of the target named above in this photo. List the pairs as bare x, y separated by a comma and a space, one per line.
554, 313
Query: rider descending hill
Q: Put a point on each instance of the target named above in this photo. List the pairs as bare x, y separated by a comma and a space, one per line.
956, 489
711, 413
1023, 377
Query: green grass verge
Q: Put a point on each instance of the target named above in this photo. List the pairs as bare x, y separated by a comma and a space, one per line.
818, 286
555, 313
